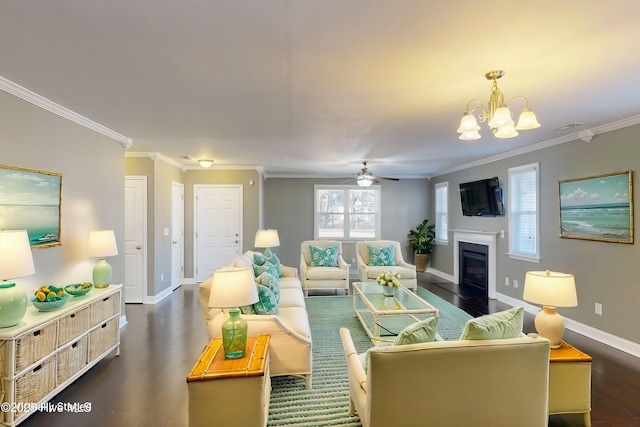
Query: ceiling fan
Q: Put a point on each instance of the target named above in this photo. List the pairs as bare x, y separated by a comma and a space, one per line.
365, 178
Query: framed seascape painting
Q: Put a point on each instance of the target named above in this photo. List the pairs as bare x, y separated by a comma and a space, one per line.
597, 208
31, 200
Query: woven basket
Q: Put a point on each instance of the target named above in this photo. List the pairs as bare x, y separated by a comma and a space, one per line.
34, 345
72, 359
33, 385
104, 308
73, 325
103, 337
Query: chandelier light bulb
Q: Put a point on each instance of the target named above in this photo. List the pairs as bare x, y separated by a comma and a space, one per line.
470, 136
507, 131
527, 120
468, 123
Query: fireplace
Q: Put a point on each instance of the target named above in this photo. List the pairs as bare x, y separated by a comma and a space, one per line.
479, 238
473, 267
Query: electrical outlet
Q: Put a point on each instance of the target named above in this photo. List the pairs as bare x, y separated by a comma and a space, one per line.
353, 260
515, 283
506, 281
599, 309
502, 234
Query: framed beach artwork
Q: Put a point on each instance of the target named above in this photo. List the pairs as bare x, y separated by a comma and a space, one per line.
597, 208
31, 200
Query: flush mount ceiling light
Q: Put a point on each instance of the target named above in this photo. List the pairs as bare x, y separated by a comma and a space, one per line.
205, 163
498, 114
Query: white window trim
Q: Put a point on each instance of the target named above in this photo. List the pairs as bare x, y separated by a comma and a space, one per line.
518, 255
316, 224
439, 185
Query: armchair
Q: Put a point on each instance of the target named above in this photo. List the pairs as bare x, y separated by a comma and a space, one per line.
323, 277
368, 272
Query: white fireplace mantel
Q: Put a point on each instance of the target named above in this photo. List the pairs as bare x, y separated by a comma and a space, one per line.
486, 238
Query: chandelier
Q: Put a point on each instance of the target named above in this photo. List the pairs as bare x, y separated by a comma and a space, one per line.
498, 114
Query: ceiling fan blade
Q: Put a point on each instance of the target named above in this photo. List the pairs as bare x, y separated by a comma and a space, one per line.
387, 178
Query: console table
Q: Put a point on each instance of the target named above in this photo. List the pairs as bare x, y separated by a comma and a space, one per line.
226, 392
47, 351
570, 382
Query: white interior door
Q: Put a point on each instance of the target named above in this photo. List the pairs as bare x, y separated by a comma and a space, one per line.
135, 236
177, 234
218, 227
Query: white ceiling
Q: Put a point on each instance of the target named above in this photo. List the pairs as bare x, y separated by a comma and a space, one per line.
314, 87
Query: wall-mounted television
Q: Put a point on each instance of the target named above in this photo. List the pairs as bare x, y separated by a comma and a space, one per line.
481, 198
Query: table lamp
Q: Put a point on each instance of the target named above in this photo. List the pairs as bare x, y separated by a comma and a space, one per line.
102, 244
15, 261
233, 288
550, 289
267, 239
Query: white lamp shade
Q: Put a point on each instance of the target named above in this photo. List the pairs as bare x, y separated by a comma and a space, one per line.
468, 123
506, 131
469, 136
550, 288
267, 238
15, 255
501, 117
232, 288
527, 120
102, 244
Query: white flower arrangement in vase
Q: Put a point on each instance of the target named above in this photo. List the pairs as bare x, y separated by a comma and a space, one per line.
388, 280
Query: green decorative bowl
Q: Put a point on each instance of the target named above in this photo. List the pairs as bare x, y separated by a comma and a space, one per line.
77, 290
50, 305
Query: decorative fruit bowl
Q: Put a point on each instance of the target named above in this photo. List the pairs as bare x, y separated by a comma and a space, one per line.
78, 289
49, 298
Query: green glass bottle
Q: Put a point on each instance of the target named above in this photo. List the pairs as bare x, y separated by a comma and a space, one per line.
234, 335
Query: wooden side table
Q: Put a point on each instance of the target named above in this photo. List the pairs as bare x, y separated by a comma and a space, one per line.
228, 392
570, 382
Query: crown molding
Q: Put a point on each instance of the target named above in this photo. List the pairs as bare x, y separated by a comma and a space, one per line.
42, 102
630, 121
156, 156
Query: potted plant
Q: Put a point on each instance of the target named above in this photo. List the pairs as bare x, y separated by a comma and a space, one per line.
423, 237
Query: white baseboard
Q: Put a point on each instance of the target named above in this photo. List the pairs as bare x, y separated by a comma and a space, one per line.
154, 299
611, 340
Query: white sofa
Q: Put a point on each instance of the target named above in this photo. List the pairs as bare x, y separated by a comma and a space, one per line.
323, 277
483, 383
368, 273
290, 348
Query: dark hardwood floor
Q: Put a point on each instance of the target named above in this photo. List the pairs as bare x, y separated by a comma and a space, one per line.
145, 385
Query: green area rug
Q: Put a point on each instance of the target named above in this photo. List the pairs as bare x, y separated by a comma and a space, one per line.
328, 401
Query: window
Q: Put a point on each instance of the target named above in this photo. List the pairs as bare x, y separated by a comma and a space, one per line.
347, 212
442, 212
523, 213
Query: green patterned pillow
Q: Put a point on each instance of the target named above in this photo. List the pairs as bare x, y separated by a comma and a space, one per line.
381, 256
266, 267
259, 259
272, 259
270, 282
267, 303
324, 257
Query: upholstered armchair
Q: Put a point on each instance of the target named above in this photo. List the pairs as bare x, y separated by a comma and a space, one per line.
369, 269
322, 266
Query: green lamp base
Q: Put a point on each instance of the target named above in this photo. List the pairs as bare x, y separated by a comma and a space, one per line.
102, 274
234, 335
13, 304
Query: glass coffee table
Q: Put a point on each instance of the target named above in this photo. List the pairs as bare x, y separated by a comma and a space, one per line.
385, 317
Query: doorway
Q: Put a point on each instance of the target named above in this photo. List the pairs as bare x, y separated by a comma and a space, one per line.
177, 234
135, 236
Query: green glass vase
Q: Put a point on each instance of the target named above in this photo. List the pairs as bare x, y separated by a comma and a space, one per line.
234, 335
13, 304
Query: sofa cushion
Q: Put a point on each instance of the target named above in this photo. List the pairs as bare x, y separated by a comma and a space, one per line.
272, 259
242, 261
504, 324
405, 273
289, 283
291, 298
271, 282
326, 273
381, 256
324, 257
267, 303
422, 331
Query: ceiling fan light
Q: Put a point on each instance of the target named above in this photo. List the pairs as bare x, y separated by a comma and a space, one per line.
507, 131
501, 117
468, 123
527, 120
469, 136
364, 181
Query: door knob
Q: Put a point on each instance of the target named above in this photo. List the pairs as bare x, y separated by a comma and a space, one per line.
138, 247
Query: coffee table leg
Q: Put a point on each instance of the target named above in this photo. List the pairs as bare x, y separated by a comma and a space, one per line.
376, 326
